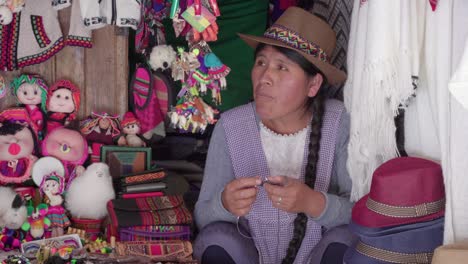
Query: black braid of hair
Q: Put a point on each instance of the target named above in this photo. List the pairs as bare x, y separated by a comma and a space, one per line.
316, 104
300, 223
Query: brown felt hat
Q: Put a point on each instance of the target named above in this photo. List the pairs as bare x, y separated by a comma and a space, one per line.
305, 33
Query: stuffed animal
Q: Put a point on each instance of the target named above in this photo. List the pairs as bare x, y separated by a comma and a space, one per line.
15, 5
31, 92
49, 176
63, 102
162, 57
17, 147
88, 194
70, 147
6, 16
131, 132
13, 212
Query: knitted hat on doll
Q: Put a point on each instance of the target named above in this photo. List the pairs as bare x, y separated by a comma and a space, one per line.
48, 168
129, 118
31, 79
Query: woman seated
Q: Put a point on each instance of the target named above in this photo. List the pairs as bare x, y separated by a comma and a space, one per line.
275, 183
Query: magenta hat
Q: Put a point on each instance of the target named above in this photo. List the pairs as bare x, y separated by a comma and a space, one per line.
403, 190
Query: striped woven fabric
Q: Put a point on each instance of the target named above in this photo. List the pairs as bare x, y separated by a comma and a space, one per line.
163, 210
406, 211
149, 176
393, 257
160, 232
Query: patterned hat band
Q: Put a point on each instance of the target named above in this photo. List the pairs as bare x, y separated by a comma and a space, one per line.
296, 41
393, 257
405, 211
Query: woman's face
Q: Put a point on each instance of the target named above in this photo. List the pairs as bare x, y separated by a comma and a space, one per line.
29, 94
280, 86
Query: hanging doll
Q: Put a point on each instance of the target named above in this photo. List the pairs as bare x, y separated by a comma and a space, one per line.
70, 147
63, 102
131, 132
17, 148
31, 92
48, 174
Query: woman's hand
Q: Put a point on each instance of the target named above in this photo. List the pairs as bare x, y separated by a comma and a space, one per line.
294, 196
239, 195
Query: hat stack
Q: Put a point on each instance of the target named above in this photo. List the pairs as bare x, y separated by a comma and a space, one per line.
401, 219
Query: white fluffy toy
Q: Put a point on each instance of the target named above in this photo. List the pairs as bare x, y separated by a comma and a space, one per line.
6, 16
13, 212
89, 193
162, 57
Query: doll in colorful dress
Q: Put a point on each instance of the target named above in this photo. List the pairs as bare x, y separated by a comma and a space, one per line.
18, 146
63, 102
48, 174
100, 128
31, 92
131, 135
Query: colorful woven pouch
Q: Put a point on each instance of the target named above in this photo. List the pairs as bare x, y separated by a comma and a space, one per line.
171, 250
149, 211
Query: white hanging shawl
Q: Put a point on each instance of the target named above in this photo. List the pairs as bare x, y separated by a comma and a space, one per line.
456, 180
379, 82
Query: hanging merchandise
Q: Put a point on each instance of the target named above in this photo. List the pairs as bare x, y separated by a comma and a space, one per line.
122, 13
192, 115
150, 31
7, 8
199, 69
34, 34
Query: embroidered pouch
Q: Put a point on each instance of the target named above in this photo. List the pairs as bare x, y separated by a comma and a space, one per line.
171, 250
149, 211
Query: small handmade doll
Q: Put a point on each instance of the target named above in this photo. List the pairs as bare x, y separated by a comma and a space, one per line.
101, 128
131, 132
37, 222
70, 147
48, 174
31, 92
63, 102
17, 147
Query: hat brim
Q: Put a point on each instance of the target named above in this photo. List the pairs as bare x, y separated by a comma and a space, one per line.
45, 166
334, 75
368, 218
415, 238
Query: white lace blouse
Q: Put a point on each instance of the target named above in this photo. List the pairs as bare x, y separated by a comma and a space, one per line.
284, 152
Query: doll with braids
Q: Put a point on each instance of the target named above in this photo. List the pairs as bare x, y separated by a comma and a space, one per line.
275, 186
